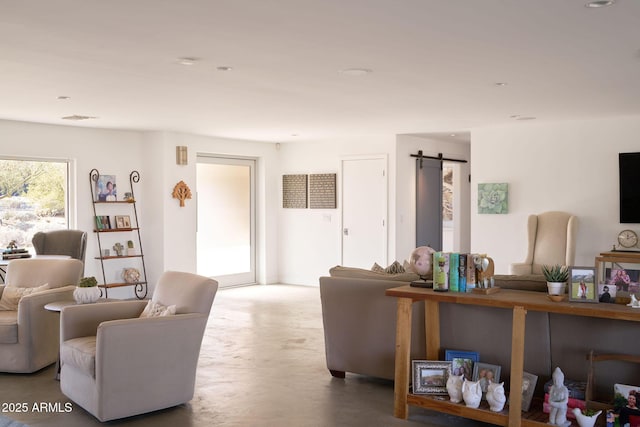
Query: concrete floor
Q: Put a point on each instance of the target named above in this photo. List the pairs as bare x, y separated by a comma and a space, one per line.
262, 364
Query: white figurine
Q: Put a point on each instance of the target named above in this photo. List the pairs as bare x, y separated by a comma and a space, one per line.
558, 400
496, 397
454, 388
634, 302
471, 393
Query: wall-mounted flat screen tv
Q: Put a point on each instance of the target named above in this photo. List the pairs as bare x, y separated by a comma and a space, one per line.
629, 187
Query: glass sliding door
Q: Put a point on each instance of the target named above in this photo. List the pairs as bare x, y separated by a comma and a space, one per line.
226, 219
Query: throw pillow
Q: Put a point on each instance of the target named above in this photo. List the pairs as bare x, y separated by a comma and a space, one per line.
12, 295
155, 309
395, 268
377, 268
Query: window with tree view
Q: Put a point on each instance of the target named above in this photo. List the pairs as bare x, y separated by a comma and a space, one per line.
33, 197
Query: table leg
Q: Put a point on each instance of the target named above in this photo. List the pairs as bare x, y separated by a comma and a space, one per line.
432, 329
403, 351
517, 366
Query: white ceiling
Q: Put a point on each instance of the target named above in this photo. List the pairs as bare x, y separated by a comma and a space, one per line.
435, 64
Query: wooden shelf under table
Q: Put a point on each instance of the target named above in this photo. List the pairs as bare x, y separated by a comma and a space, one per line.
519, 302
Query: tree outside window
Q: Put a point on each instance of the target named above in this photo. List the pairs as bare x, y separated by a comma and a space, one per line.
32, 198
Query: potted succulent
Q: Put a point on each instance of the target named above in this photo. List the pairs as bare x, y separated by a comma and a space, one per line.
556, 277
87, 291
586, 417
130, 249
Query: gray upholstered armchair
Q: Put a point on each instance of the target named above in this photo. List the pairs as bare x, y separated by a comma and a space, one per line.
61, 242
29, 335
551, 240
116, 364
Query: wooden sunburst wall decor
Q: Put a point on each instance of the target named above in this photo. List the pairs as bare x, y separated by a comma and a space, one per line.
181, 192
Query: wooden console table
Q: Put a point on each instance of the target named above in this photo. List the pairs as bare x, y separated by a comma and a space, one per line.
519, 302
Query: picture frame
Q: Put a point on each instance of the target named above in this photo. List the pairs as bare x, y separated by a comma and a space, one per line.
430, 376
529, 382
582, 284
484, 373
106, 189
462, 362
103, 222
607, 293
122, 221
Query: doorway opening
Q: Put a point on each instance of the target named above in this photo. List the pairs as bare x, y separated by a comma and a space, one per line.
225, 241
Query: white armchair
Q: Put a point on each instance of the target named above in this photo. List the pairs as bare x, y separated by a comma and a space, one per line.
551, 240
29, 335
116, 364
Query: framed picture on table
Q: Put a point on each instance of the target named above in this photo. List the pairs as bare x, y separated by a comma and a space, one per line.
582, 284
430, 376
462, 362
486, 373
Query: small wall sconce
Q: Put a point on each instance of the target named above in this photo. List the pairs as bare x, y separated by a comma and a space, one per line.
181, 155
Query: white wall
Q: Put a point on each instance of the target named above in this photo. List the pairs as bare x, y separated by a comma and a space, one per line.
175, 226
111, 152
168, 231
568, 166
310, 239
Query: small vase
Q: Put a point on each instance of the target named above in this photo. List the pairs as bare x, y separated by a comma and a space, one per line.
86, 295
556, 288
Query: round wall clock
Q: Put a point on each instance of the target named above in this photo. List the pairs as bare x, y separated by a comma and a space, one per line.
627, 239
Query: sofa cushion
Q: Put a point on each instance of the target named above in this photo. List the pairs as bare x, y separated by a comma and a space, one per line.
360, 273
81, 353
525, 282
12, 295
8, 327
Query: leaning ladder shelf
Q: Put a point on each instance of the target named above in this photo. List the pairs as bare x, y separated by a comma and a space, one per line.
140, 285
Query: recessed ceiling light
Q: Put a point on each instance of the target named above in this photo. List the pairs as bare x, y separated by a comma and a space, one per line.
224, 68
453, 134
525, 118
356, 72
500, 83
515, 116
600, 3
187, 60
78, 117
63, 97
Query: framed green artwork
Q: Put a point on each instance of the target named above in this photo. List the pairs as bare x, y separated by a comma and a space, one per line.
493, 198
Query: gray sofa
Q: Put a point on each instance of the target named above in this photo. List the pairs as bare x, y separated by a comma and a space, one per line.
359, 329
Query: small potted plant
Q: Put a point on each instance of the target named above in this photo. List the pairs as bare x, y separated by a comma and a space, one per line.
87, 291
586, 417
556, 277
130, 249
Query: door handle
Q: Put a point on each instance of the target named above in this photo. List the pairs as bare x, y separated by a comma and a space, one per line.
345, 231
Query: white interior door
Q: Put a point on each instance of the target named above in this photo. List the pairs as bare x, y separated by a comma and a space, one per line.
226, 220
364, 212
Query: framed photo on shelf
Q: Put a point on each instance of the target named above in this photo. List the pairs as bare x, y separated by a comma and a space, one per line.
123, 221
430, 376
103, 222
462, 362
106, 188
485, 373
528, 387
582, 285
607, 293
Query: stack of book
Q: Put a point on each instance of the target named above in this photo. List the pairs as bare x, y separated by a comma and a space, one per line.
577, 390
15, 254
453, 272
